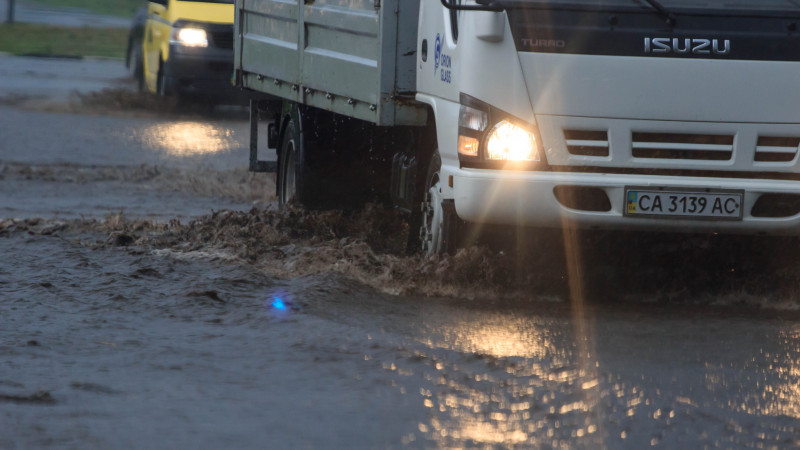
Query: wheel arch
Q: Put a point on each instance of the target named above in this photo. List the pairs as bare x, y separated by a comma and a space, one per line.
289, 111
428, 142
430, 133
441, 137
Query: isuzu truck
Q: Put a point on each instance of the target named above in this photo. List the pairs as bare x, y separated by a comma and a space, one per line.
668, 115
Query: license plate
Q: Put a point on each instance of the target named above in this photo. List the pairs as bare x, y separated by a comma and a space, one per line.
714, 204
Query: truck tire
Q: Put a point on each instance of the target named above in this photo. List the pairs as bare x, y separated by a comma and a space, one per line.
433, 217
287, 166
296, 183
324, 161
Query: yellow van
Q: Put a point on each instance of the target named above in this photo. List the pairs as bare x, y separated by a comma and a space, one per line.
187, 48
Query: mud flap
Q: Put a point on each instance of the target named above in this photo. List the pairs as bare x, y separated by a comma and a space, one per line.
257, 165
452, 227
403, 182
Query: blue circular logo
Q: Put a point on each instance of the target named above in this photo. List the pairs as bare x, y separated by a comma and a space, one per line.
437, 53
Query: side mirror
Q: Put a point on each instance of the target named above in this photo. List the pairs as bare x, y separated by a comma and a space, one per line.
490, 26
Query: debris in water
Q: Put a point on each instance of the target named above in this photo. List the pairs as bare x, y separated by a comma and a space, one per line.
120, 239
213, 295
37, 398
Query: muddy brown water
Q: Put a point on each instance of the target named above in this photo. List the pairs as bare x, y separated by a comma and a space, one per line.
185, 322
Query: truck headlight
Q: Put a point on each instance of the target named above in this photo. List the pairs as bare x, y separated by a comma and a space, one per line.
189, 37
473, 121
509, 142
491, 138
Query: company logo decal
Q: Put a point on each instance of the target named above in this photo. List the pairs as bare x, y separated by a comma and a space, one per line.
442, 63
687, 46
437, 53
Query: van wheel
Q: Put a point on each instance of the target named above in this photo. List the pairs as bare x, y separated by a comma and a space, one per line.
135, 66
162, 85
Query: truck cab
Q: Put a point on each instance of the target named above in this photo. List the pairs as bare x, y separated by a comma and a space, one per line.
187, 48
617, 114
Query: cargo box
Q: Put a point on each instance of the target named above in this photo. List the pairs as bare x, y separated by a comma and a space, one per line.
351, 57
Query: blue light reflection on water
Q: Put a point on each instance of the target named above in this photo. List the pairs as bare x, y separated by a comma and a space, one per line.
279, 304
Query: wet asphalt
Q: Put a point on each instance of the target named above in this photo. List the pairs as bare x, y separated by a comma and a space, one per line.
32, 12
88, 159
108, 343
58, 79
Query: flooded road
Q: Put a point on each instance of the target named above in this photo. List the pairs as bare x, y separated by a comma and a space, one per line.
153, 296
114, 338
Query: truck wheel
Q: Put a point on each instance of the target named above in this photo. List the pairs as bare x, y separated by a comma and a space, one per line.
297, 184
287, 166
431, 231
313, 169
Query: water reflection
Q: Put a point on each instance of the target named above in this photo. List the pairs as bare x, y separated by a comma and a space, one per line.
505, 379
495, 335
280, 304
513, 380
780, 396
190, 138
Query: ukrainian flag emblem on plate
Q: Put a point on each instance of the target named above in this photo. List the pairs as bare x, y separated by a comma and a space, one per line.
633, 200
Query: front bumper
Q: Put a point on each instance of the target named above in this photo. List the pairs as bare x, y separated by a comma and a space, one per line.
529, 199
202, 72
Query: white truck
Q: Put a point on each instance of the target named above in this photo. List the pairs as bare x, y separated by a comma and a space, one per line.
670, 115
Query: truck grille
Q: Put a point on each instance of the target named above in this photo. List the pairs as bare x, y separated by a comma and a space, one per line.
673, 148
776, 149
587, 143
222, 39
708, 147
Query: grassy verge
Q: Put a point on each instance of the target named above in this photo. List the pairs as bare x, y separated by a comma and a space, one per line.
121, 8
25, 38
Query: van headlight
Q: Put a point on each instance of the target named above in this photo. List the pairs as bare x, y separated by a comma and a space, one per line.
509, 142
189, 37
